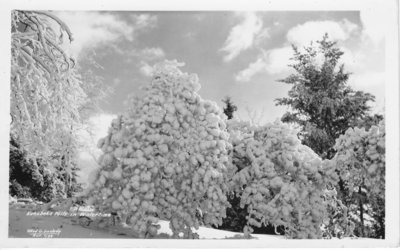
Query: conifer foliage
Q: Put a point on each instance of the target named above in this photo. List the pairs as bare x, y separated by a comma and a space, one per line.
229, 108
321, 101
336, 123
37, 181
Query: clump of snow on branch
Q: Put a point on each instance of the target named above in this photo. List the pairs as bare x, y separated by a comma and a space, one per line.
166, 158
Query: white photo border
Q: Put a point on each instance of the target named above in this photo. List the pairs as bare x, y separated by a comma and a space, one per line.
391, 10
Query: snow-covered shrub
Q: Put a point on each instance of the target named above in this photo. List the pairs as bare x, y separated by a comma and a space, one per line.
29, 180
360, 161
360, 158
281, 181
166, 158
337, 223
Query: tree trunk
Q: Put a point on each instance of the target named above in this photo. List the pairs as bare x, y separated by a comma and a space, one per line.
342, 193
361, 211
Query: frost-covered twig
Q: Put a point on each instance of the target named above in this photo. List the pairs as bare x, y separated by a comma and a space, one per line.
58, 20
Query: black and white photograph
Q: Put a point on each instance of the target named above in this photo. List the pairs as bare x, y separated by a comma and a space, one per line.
255, 126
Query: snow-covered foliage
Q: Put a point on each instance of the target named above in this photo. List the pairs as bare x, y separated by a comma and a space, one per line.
337, 223
50, 97
282, 181
360, 160
166, 158
46, 92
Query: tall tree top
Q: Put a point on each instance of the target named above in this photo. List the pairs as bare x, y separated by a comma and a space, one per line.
230, 108
320, 98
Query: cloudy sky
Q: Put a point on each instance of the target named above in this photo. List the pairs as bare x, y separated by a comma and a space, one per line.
240, 54
236, 54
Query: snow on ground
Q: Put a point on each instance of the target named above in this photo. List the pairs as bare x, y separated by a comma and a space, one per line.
211, 233
22, 225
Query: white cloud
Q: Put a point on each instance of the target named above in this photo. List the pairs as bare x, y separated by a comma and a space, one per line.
303, 34
242, 36
144, 21
255, 67
263, 34
349, 27
373, 21
146, 57
274, 61
371, 82
146, 69
277, 60
353, 60
367, 81
92, 29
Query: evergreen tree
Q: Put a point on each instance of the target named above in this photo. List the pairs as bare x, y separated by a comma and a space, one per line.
31, 178
325, 107
321, 101
368, 121
230, 108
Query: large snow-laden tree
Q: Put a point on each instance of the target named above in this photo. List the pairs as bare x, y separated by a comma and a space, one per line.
166, 158
281, 181
360, 160
48, 95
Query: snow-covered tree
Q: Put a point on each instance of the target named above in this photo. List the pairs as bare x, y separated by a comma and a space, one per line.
320, 100
167, 158
360, 160
30, 180
281, 181
324, 105
47, 92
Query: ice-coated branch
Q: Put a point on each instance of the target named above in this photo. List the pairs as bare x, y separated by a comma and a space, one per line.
58, 20
28, 54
